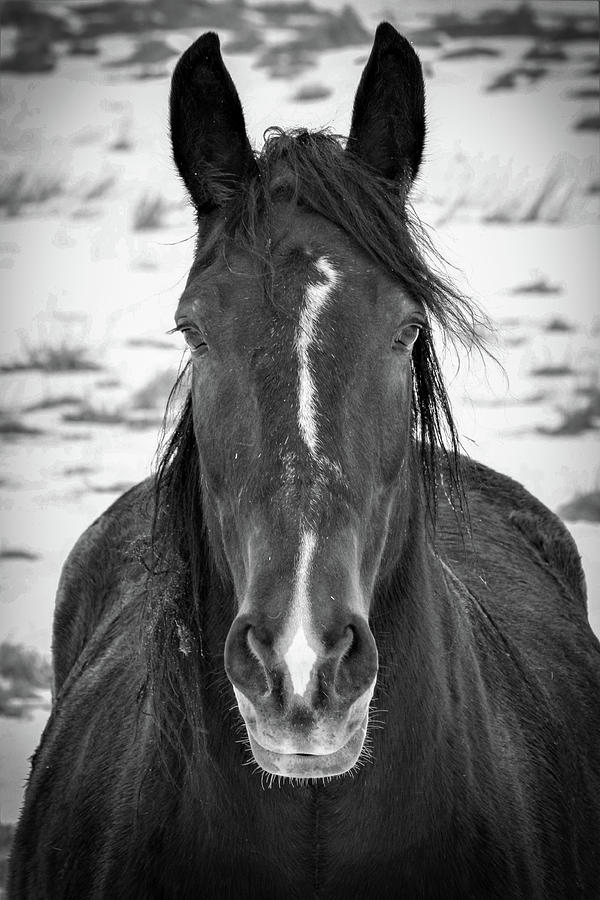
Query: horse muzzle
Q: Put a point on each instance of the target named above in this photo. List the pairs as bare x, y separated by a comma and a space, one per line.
321, 750
305, 709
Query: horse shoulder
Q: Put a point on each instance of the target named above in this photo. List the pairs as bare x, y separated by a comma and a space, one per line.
106, 558
522, 569
508, 529
531, 527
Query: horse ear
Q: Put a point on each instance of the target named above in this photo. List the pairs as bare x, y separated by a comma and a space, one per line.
388, 119
208, 132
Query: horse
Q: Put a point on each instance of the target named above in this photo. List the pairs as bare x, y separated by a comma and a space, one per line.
321, 653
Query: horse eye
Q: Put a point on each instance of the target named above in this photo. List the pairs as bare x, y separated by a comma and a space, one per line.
407, 336
195, 341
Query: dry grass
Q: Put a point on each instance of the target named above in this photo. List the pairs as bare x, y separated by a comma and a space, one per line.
23, 674
553, 370
56, 342
151, 51
245, 41
123, 142
546, 51
473, 51
149, 212
540, 285
514, 78
25, 187
573, 422
90, 413
582, 508
53, 402
588, 123
501, 194
61, 356
309, 92
286, 61
17, 553
73, 471
581, 413
135, 416
150, 342
559, 325
295, 56
155, 393
551, 200
11, 427
114, 487
98, 188
584, 93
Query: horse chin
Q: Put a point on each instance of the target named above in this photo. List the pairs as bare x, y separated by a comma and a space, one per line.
310, 765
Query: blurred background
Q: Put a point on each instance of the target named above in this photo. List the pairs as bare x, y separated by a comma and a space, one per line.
97, 238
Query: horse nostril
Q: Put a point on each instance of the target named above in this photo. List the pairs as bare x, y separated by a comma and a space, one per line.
255, 646
356, 663
261, 644
244, 661
339, 666
346, 644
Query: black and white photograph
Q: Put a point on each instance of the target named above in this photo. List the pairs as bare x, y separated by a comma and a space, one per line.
299, 450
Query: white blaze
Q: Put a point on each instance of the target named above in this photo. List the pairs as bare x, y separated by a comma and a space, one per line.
300, 657
317, 297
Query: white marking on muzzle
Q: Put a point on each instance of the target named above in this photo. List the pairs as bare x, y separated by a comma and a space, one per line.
300, 659
316, 299
300, 656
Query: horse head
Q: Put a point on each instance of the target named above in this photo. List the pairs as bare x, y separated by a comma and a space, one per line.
302, 341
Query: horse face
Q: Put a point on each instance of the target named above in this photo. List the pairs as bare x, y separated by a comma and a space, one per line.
302, 406
302, 420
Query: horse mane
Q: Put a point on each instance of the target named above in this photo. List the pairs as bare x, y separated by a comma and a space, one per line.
310, 169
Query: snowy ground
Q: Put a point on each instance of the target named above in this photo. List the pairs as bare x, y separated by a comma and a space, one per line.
78, 277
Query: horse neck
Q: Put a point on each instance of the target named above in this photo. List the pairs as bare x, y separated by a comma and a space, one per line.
430, 690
